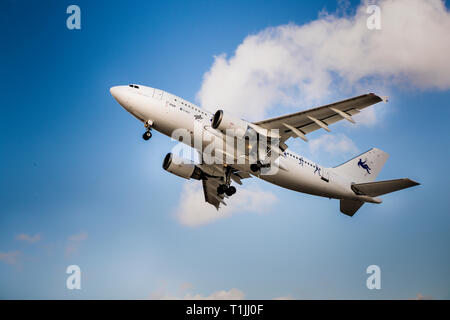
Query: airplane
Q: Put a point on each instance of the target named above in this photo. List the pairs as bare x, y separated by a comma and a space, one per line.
352, 183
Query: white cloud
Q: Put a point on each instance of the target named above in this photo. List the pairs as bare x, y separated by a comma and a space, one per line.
333, 57
232, 294
193, 211
332, 144
368, 117
27, 238
74, 242
11, 257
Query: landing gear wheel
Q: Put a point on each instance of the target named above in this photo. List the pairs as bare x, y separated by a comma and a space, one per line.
222, 189
147, 135
230, 191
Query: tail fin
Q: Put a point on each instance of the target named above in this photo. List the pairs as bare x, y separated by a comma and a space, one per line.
365, 167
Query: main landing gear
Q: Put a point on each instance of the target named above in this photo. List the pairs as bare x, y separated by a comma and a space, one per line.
147, 134
226, 188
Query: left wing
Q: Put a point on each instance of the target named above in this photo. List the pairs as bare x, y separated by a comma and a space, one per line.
301, 123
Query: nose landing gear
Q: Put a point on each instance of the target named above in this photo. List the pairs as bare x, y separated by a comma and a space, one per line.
147, 134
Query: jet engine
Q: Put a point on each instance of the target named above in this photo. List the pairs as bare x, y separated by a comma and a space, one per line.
223, 122
181, 167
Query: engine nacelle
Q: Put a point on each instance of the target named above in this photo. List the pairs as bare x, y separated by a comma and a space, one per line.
224, 122
181, 167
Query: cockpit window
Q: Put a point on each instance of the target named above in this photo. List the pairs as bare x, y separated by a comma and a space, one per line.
133, 86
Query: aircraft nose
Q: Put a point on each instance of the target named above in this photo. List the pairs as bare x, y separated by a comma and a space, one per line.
120, 94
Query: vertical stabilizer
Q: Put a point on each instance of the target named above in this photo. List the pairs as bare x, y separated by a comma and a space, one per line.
363, 168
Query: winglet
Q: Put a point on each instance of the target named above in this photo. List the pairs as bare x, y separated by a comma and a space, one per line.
384, 98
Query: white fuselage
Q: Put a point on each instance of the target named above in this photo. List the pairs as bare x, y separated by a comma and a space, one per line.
167, 112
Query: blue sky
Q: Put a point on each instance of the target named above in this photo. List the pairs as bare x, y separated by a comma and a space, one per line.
81, 186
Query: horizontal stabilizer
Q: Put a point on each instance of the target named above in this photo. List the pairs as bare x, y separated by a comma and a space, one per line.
350, 206
379, 188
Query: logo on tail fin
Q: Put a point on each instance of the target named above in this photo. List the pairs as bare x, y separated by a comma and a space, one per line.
363, 165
